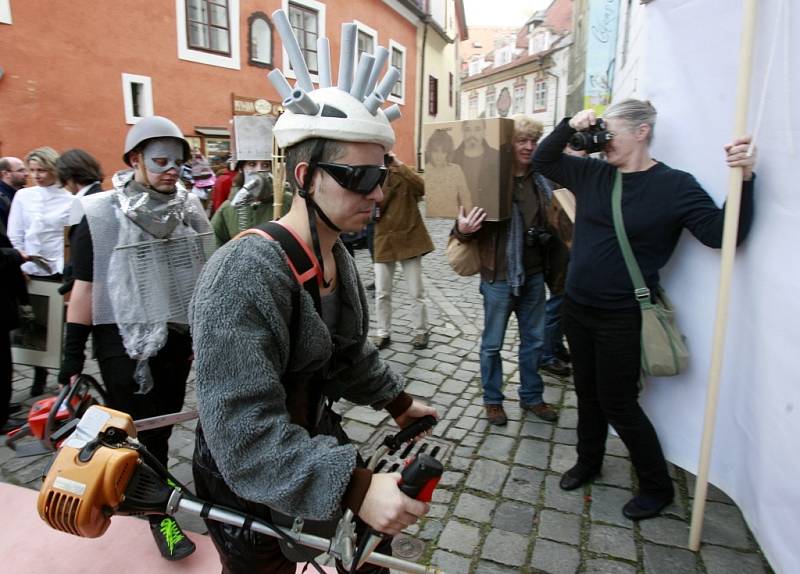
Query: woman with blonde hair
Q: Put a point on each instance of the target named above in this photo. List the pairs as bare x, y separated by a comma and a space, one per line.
36, 227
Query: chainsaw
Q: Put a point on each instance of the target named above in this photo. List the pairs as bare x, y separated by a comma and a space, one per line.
101, 469
52, 418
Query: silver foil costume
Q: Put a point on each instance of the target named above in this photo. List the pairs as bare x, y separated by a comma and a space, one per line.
149, 249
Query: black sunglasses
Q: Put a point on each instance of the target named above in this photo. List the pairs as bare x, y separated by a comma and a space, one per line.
358, 178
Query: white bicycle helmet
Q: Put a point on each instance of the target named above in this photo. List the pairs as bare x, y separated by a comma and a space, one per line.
340, 117
348, 112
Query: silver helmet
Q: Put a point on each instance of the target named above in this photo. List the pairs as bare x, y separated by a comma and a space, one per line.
153, 127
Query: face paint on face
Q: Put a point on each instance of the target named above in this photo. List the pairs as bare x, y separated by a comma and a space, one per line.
254, 166
162, 155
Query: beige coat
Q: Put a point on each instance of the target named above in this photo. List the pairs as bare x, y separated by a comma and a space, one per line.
400, 232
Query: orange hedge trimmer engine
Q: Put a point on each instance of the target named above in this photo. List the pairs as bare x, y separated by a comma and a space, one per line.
97, 473
102, 470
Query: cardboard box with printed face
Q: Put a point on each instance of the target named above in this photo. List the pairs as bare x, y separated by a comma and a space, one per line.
469, 163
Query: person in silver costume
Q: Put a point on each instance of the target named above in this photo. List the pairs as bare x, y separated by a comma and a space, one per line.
125, 291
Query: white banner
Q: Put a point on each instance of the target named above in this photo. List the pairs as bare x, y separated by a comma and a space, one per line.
689, 70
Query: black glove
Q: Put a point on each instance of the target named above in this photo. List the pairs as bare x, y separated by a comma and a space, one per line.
74, 346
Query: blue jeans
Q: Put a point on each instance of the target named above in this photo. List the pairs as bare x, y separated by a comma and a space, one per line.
498, 303
553, 332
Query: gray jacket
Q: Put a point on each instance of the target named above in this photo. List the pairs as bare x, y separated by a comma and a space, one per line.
240, 319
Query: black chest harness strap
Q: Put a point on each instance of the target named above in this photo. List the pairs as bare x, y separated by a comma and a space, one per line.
305, 402
305, 271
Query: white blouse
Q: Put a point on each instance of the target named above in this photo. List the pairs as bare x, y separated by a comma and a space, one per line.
36, 225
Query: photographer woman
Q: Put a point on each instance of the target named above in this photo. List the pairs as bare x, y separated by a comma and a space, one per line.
602, 320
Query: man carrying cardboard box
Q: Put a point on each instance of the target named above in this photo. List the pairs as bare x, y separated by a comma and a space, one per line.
512, 253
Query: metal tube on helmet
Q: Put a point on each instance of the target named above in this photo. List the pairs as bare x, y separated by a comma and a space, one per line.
292, 50
381, 55
300, 100
279, 82
388, 82
392, 113
362, 76
373, 102
324, 62
291, 105
346, 57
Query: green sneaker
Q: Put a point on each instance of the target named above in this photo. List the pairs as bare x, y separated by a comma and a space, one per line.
170, 539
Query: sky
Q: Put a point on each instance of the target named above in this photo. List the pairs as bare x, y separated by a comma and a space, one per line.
501, 12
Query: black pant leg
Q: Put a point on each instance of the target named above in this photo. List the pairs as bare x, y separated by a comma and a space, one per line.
592, 423
6, 374
170, 369
617, 363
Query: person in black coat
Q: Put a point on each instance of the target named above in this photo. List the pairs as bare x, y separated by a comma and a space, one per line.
13, 293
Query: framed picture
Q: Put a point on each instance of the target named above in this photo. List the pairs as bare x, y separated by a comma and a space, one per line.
38, 341
217, 149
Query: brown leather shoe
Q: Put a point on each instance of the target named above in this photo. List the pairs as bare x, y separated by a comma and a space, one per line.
421, 341
496, 415
542, 410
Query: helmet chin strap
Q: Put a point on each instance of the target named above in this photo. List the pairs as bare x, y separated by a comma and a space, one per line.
315, 210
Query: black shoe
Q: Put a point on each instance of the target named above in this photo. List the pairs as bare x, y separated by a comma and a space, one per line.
563, 355
576, 477
370, 287
170, 539
556, 367
14, 408
644, 506
382, 342
10, 425
37, 388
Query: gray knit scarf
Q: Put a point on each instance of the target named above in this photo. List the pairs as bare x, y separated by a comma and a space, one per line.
514, 246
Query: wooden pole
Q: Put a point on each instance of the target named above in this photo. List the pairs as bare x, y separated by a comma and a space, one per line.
729, 235
278, 177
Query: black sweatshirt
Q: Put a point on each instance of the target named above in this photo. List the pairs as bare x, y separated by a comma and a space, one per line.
656, 205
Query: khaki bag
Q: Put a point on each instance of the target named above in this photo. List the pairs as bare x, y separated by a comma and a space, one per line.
463, 256
664, 350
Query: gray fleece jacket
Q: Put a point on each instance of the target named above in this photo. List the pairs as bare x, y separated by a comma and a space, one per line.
240, 319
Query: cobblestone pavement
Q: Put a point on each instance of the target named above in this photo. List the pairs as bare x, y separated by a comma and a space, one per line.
498, 508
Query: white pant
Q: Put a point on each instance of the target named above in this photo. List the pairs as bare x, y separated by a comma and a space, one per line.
384, 279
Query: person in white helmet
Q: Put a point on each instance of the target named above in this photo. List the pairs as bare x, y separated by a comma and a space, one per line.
136, 254
268, 442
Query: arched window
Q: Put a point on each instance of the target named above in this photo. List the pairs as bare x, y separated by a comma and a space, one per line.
260, 40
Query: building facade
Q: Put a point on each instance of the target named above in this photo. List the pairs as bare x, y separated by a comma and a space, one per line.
439, 40
526, 76
79, 74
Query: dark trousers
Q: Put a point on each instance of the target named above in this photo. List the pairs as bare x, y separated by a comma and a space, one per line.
242, 551
6, 374
170, 369
606, 346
